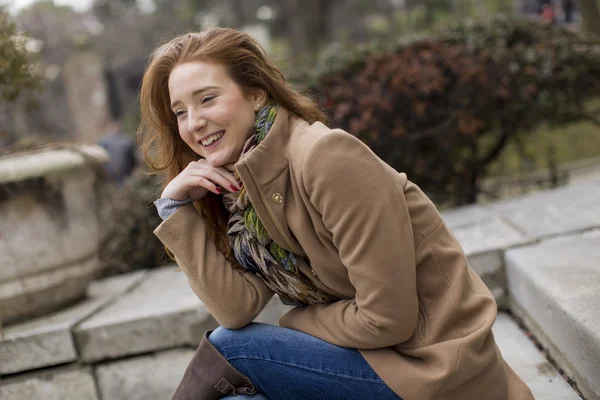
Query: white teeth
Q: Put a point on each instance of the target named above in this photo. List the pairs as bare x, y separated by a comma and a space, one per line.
212, 139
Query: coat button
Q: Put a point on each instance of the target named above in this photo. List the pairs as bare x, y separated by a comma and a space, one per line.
277, 198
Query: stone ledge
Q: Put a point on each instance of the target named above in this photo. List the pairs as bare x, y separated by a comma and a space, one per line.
466, 215
529, 363
36, 294
48, 340
49, 160
160, 313
484, 238
151, 377
57, 384
486, 232
554, 212
487, 236
554, 289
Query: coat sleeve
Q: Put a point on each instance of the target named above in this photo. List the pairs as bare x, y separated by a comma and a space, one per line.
231, 294
363, 206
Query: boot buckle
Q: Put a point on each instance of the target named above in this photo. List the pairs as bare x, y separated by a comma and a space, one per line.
225, 387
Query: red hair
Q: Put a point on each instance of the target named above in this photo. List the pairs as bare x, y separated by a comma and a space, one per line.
247, 64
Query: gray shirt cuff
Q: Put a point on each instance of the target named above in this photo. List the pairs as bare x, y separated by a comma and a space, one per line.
167, 206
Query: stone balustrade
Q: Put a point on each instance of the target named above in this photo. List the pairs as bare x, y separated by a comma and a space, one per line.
49, 235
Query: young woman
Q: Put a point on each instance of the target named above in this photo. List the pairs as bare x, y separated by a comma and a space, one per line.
262, 198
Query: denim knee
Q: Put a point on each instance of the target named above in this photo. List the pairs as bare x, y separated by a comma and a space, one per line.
221, 337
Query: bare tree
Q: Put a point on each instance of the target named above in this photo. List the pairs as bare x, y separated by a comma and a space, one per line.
309, 26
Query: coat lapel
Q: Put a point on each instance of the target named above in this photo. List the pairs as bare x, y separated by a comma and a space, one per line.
266, 177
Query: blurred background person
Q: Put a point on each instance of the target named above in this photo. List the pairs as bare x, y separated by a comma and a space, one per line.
121, 149
548, 15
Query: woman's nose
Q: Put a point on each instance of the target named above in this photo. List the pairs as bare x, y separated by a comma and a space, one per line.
196, 122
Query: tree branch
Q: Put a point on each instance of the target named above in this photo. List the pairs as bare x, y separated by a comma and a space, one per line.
594, 112
436, 130
495, 151
591, 118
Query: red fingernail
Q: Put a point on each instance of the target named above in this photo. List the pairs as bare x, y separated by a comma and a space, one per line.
219, 190
234, 188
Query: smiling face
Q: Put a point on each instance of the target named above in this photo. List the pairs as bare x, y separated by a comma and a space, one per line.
214, 116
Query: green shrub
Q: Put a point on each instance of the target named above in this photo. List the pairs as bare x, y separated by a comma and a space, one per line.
17, 69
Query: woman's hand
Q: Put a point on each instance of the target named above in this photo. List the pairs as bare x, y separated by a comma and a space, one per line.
198, 178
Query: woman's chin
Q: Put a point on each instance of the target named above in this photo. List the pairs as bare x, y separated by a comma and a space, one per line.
213, 162
218, 160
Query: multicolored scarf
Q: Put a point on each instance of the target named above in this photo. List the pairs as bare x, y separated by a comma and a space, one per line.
254, 249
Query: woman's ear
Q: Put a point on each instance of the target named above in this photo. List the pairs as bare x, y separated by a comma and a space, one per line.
259, 97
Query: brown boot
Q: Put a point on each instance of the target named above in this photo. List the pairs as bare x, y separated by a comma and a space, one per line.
209, 376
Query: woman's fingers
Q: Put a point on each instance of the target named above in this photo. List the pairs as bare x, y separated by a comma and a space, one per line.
224, 179
232, 183
227, 180
229, 172
194, 181
215, 176
229, 167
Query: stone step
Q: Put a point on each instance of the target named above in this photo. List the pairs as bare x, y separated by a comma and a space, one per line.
56, 384
553, 212
155, 377
554, 286
487, 231
484, 237
529, 362
160, 313
48, 341
149, 377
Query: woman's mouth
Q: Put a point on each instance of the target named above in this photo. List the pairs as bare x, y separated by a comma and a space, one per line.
212, 140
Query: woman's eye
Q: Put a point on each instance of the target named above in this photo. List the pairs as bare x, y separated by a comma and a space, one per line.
179, 113
206, 99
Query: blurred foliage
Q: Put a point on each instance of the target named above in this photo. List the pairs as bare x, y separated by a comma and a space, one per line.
17, 69
578, 141
442, 107
590, 16
128, 219
122, 33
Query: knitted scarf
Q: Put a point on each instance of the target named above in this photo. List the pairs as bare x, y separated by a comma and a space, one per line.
254, 249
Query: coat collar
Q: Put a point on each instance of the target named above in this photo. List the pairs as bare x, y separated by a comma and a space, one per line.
269, 158
265, 174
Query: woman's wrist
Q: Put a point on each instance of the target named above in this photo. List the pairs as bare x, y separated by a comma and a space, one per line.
167, 194
167, 206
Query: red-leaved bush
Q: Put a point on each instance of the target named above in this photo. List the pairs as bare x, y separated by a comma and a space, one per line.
441, 108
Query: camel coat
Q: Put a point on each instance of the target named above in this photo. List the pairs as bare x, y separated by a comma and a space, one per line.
411, 304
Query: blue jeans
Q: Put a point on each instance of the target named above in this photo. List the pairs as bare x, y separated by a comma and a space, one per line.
287, 364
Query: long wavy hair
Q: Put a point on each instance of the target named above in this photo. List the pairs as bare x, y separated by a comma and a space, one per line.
247, 64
